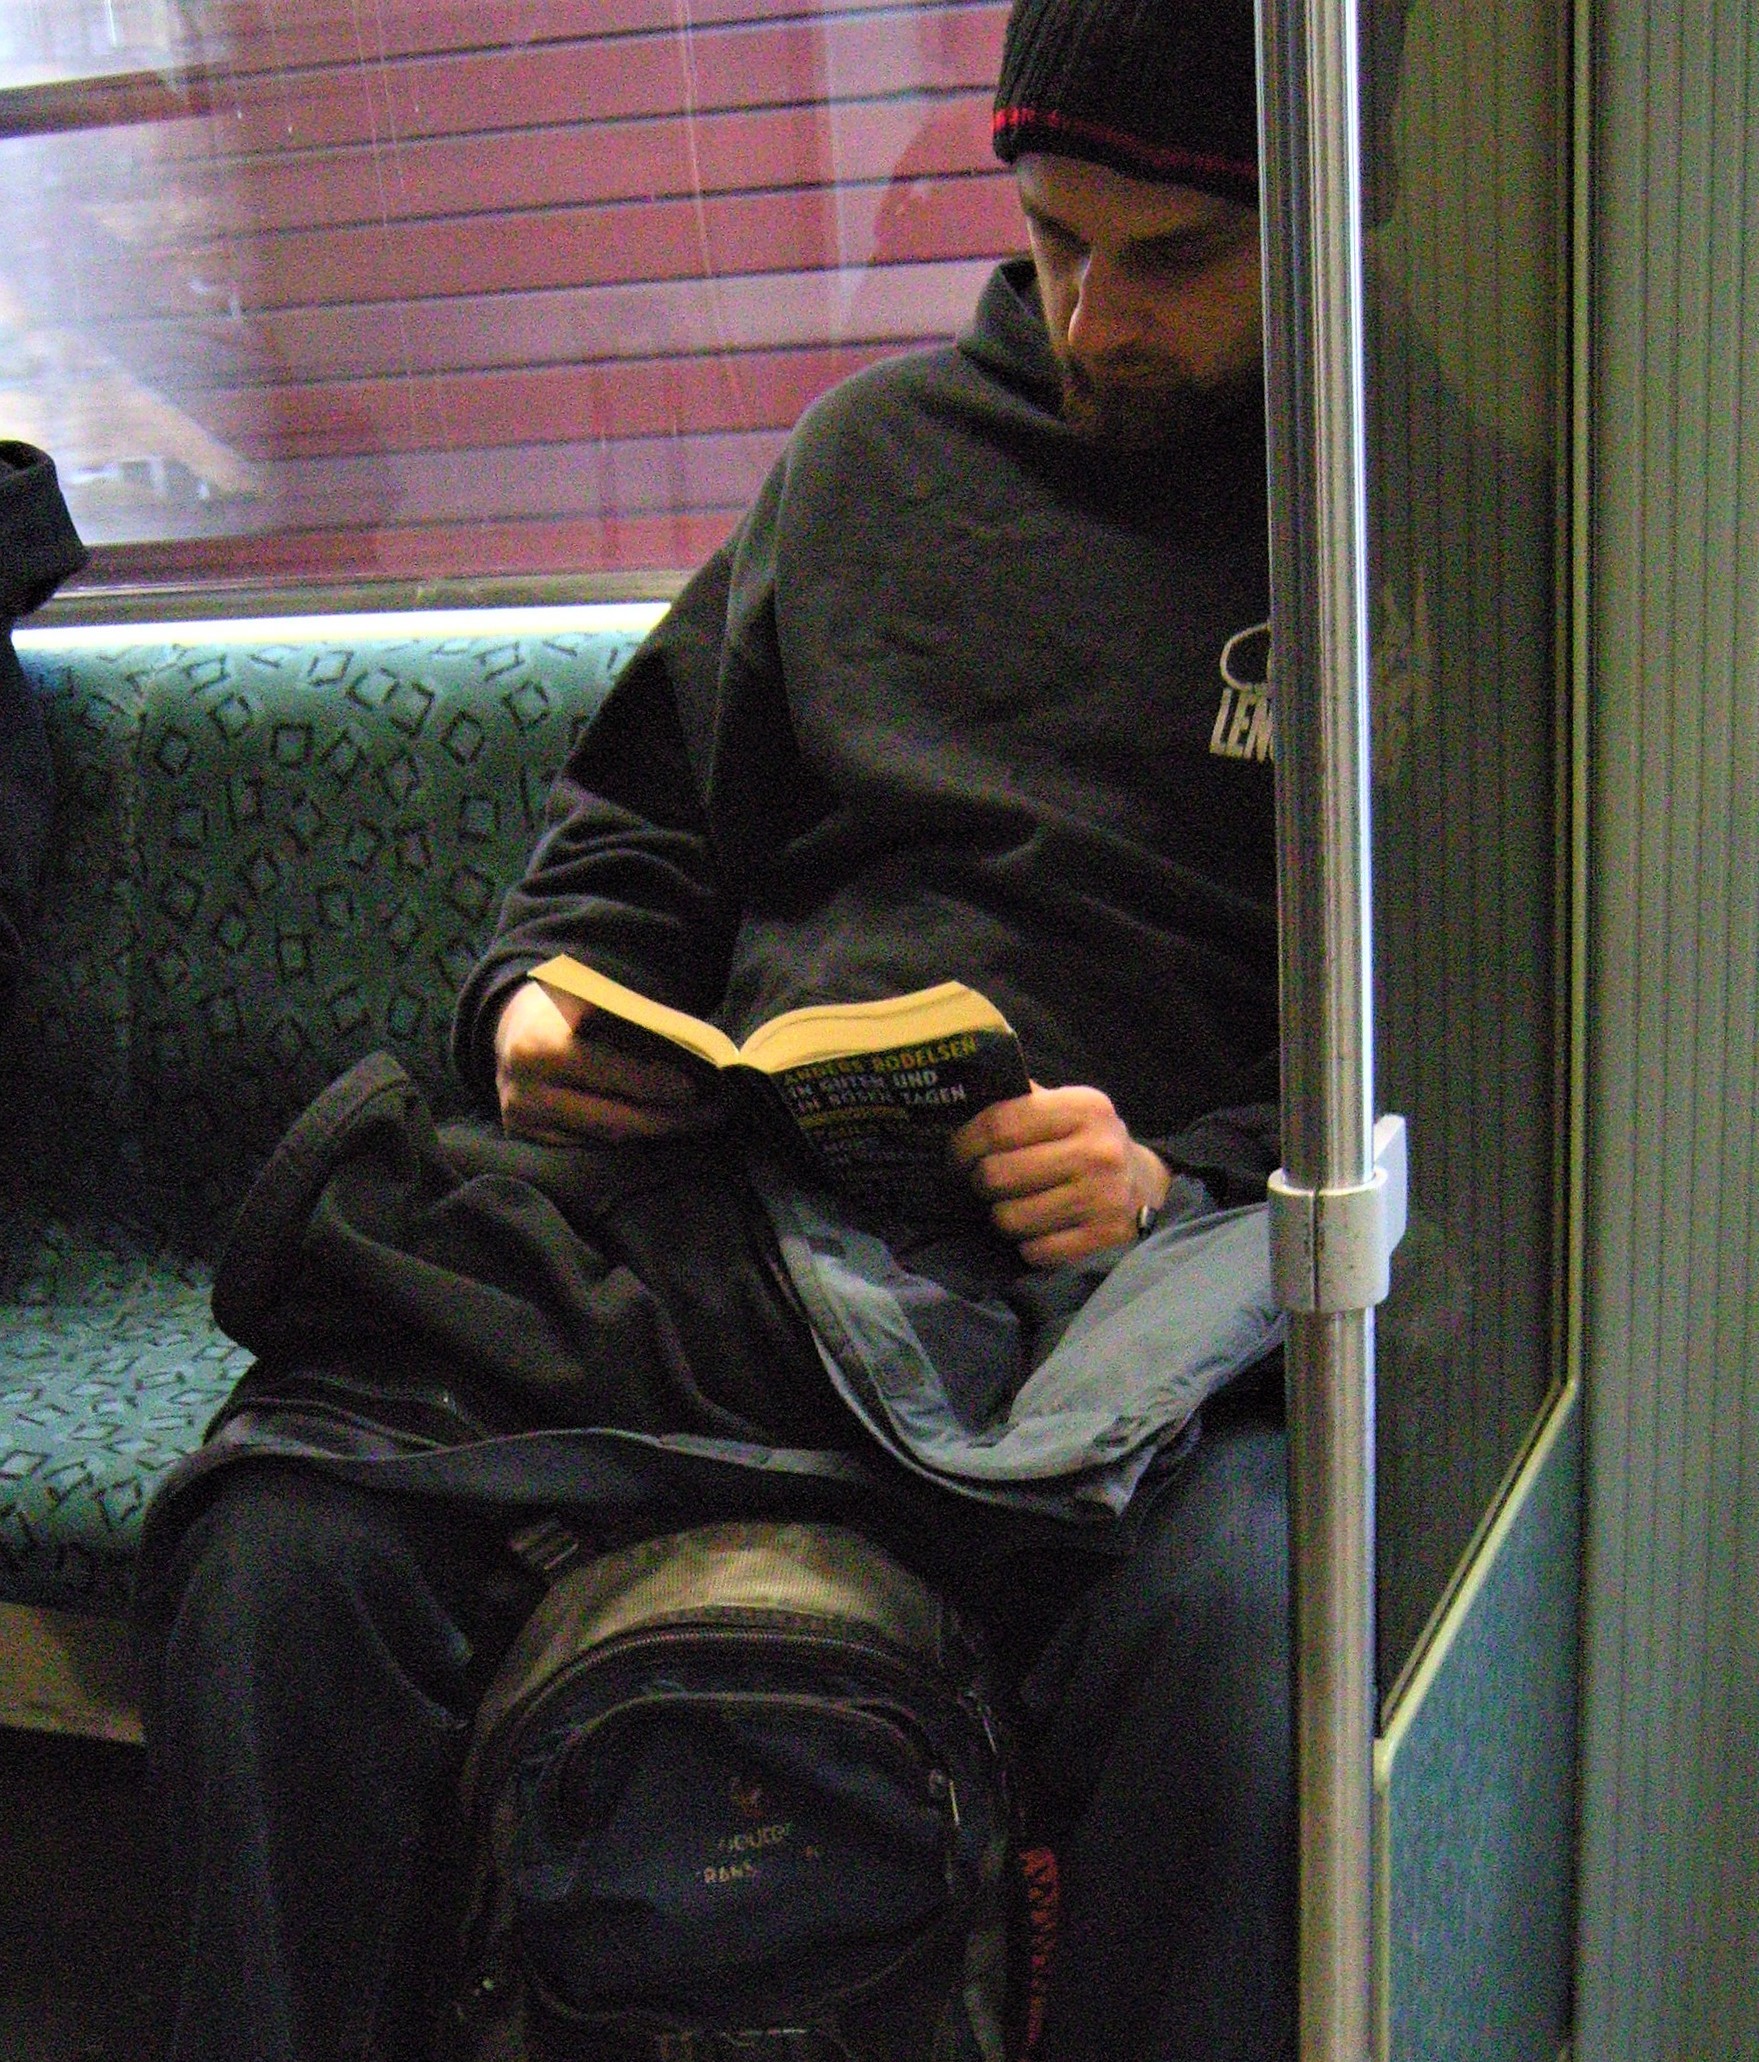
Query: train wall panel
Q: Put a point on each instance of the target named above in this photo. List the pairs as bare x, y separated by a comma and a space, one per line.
1463, 287
1670, 1925
1475, 1791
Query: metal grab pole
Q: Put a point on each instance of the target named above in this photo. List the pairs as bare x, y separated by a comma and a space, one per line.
1319, 678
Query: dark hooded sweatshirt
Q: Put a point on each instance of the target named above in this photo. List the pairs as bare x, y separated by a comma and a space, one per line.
953, 702
39, 548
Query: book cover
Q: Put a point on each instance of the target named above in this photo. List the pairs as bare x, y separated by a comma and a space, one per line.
874, 1089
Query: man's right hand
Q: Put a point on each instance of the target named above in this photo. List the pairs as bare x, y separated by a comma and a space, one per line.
559, 1085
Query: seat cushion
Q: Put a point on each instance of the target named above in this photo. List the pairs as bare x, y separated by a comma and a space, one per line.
275, 851
277, 847
110, 1369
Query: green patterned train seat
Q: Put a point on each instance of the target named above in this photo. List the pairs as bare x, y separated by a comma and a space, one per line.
278, 846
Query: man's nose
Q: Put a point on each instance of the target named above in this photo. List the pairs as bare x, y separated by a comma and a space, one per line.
1106, 320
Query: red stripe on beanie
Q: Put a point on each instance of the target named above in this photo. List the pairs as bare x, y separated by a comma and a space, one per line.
1201, 166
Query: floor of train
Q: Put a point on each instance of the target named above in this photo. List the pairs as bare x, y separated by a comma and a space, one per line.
83, 1966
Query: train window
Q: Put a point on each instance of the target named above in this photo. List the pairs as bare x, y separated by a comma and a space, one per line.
297, 291
1468, 124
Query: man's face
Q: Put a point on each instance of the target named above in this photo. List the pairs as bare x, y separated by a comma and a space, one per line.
1150, 294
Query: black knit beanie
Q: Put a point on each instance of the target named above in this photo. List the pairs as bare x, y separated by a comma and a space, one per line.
1160, 89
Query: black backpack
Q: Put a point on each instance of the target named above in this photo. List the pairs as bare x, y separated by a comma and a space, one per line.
740, 1791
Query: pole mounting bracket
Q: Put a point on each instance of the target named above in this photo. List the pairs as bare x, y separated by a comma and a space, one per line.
1331, 1248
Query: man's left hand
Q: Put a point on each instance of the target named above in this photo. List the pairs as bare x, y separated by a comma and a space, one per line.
1060, 1172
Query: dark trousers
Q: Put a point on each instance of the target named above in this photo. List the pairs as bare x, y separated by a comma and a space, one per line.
319, 1653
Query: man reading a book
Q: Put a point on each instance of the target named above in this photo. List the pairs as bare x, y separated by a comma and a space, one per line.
976, 692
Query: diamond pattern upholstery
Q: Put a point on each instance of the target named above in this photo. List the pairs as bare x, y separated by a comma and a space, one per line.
273, 853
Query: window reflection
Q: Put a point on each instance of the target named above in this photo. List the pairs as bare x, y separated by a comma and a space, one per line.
1463, 266
301, 290
88, 95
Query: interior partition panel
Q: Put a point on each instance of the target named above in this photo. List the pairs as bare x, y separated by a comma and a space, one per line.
1670, 1890
1466, 105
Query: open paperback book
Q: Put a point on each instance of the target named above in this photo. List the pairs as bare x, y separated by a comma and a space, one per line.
875, 1089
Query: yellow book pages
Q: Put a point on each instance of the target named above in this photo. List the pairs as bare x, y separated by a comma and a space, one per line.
821, 1031
835, 1030
678, 1027
873, 1090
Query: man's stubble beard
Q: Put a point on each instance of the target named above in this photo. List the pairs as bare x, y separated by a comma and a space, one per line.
1149, 417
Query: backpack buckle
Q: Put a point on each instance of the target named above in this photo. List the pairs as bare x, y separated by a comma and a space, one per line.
545, 1548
